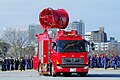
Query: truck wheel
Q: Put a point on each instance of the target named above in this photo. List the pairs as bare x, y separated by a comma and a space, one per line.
52, 71
39, 68
83, 74
66, 74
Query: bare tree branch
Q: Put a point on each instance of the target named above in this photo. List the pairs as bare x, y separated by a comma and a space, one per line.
19, 41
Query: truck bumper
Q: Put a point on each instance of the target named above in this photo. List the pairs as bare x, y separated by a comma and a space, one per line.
59, 69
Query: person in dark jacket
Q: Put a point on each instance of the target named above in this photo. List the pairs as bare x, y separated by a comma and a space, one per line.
28, 63
104, 61
12, 63
16, 63
3, 64
22, 64
8, 64
117, 60
31, 63
112, 61
93, 62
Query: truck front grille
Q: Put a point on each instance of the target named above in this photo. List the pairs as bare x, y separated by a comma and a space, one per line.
72, 61
72, 65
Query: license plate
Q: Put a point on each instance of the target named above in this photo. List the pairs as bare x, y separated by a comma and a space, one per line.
72, 69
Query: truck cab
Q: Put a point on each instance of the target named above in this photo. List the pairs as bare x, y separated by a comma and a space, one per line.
69, 53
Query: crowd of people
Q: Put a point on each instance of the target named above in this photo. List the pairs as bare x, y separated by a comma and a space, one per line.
104, 61
10, 63
94, 61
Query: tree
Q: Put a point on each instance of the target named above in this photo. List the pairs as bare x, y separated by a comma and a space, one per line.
18, 40
3, 48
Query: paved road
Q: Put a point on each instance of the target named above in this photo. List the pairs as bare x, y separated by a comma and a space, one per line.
94, 74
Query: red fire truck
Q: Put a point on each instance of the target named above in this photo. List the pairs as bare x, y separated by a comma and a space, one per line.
60, 52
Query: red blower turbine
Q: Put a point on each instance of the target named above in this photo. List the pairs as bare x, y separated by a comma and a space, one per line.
50, 18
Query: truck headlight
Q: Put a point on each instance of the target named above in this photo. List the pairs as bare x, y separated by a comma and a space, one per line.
59, 67
57, 62
87, 62
86, 67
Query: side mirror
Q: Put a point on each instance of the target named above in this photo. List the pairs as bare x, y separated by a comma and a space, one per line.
54, 46
92, 46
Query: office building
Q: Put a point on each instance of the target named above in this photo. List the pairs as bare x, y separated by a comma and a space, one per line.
99, 35
77, 25
33, 30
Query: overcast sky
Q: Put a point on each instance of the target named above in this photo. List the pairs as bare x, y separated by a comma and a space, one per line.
95, 13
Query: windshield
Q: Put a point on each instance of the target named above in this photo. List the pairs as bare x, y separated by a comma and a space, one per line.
71, 46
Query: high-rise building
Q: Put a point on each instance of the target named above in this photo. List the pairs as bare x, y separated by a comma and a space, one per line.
79, 26
119, 47
33, 30
99, 35
107, 48
112, 39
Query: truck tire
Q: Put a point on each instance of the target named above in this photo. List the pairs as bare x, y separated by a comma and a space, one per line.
67, 74
83, 74
52, 71
39, 68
